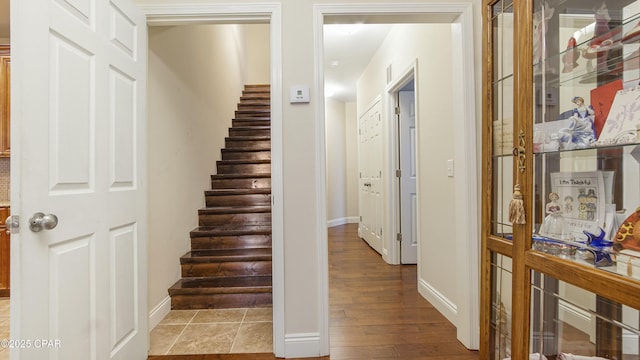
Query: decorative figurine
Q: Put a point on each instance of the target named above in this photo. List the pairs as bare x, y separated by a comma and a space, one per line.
600, 258
554, 226
580, 134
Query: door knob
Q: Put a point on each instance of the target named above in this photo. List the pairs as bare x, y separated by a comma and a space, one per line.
40, 221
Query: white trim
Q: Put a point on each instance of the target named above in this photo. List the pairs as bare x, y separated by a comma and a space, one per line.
342, 221
445, 306
467, 317
160, 14
302, 345
466, 193
159, 312
321, 189
393, 198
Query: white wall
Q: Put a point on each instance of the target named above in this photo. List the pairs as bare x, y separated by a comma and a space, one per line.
351, 134
256, 50
437, 223
195, 81
335, 128
301, 240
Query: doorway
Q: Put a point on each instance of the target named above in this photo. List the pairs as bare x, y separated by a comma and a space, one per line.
461, 311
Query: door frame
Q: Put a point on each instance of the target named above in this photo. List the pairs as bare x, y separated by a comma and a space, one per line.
466, 311
250, 13
394, 192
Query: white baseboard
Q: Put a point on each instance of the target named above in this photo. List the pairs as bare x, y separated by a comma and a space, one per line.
445, 306
159, 312
302, 345
342, 221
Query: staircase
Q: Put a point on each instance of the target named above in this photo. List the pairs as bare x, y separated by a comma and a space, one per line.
229, 265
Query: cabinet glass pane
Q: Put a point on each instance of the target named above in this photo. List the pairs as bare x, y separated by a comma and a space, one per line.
586, 105
502, 115
501, 307
568, 322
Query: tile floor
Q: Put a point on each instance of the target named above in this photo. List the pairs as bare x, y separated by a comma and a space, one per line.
4, 326
219, 331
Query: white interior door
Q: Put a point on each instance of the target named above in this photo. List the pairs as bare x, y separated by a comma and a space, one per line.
408, 171
78, 151
370, 166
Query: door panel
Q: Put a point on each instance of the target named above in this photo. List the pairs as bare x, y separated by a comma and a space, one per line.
81, 140
408, 167
370, 164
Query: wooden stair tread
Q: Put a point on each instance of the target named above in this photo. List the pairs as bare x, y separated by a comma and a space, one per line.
231, 230
240, 176
243, 161
221, 192
251, 128
235, 209
243, 149
242, 119
221, 285
248, 138
226, 255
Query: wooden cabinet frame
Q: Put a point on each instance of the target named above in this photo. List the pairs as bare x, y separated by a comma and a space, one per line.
618, 288
5, 104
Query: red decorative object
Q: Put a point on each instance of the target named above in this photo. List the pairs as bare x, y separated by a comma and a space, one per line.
601, 100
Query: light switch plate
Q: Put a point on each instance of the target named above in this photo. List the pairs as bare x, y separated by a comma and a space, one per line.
299, 94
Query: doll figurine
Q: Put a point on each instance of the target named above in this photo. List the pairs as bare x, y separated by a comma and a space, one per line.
554, 226
580, 134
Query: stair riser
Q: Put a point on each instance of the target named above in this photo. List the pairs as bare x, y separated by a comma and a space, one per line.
251, 114
243, 268
254, 107
220, 301
231, 143
231, 242
231, 200
246, 218
244, 168
259, 183
255, 101
251, 122
249, 132
246, 155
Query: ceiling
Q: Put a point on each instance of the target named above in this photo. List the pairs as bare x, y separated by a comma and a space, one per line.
348, 49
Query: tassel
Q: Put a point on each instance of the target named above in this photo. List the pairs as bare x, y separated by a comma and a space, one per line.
516, 207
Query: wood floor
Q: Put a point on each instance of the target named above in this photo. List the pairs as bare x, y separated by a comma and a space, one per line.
375, 310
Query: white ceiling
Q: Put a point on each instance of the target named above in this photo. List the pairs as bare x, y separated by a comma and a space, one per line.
348, 49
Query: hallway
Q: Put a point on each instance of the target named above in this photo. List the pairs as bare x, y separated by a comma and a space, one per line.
375, 310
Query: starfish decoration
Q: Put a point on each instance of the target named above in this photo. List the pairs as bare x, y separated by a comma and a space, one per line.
600, 258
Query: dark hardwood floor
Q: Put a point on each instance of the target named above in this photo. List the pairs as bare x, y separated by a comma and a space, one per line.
375, 310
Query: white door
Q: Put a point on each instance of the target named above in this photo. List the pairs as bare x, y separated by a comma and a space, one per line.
408, 171
370, 168
78, 152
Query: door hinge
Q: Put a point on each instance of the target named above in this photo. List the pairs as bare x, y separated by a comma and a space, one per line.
397, 110
398, 173
360, 218
399, 236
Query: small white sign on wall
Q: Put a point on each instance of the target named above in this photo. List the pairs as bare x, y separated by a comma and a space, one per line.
299, 94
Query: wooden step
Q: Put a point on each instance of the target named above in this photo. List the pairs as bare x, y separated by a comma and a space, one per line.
221, 293
252, 113
241, 181
231, 230
258, 121
235, 262
255, 97
257, 87
248, 142
255, 100
246, 107
231, 241
236, 197
243, 166
246, 154
221, 215
250, 131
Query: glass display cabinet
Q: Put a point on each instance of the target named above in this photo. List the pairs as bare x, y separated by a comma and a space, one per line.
561, 159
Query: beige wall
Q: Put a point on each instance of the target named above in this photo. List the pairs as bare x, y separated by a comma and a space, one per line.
257, 51
301, 260
195, 80
335, 127
437, 223
351, 123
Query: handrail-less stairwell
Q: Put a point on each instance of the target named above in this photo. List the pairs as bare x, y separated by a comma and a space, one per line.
229, 265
